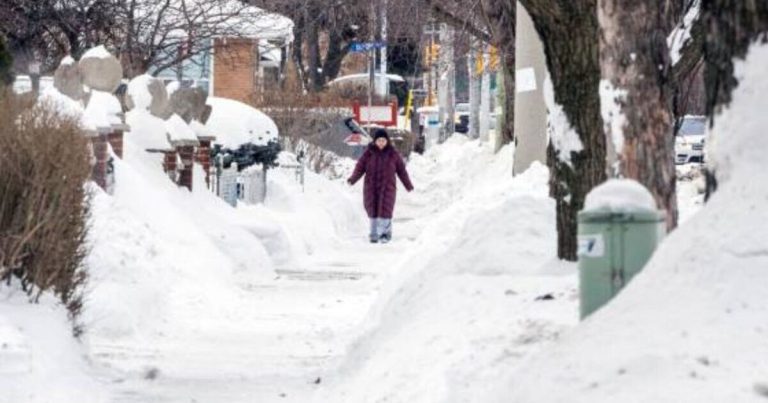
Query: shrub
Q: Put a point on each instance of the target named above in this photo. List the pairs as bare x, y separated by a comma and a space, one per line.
44, 167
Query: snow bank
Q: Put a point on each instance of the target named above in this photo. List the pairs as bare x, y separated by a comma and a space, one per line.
40, 361
103, 111
147, 131
65, 105
165, 262
315, 218
235, 123
620, 195
179, 131
138, 90
171, 270
692, 325
461, 308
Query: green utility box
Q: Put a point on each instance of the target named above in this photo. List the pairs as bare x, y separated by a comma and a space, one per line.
613, 247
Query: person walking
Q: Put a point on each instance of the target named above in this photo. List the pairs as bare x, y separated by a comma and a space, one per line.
380, 163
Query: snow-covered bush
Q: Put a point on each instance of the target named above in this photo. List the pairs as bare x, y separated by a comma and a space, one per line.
44, 160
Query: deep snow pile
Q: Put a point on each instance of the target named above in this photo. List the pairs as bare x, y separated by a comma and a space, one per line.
160, 254
315, 216
170, 269
692, 326
470, 297
40, 361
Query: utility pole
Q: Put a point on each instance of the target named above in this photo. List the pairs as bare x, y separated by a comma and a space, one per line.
474, 88
446, 78
371, 65
485, 96
383, 89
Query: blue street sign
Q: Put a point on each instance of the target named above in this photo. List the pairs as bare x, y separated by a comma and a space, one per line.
366, 46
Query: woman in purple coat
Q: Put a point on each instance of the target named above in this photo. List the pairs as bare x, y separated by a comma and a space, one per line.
379, 163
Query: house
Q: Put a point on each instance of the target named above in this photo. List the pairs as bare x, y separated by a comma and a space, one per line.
242, 65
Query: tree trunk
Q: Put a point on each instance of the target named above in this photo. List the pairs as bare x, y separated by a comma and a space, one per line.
315, 74
475, 85
485, 97
634, 59
731, 26
298, 51
337, 50
501, 16
569, 31
506, 123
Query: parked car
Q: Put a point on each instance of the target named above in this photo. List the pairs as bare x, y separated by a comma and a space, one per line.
461, 118
462, 125
689, 142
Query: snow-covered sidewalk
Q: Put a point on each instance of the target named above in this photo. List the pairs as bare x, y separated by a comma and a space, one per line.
191, 300
293, 326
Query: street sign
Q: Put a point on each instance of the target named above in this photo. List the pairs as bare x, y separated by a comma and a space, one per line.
366, 46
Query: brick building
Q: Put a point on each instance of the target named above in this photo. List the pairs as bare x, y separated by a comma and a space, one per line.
244, 67
240, 66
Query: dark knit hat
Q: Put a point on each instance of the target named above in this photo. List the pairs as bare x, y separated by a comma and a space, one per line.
378, 133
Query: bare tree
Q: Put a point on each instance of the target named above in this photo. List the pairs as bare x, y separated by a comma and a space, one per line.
45, 30
146, 34
158, 34
493, 22
323, 34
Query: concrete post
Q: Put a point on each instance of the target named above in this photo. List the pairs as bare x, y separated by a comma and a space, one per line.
530, 108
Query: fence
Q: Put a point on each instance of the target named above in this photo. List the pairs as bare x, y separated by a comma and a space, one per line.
249, 185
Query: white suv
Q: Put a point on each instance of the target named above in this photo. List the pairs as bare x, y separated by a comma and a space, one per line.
689, 142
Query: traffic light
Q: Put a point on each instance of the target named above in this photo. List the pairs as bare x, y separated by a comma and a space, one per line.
432, 54
493, 63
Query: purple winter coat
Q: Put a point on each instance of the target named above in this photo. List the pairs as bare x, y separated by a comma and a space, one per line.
380, 188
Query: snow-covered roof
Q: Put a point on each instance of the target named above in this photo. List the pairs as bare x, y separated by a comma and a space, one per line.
619, 196
257, 23
179, 132
364, 78
235, 123
223, 18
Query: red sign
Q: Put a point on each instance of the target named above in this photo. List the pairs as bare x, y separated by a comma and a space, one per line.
354, 139
382, 115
